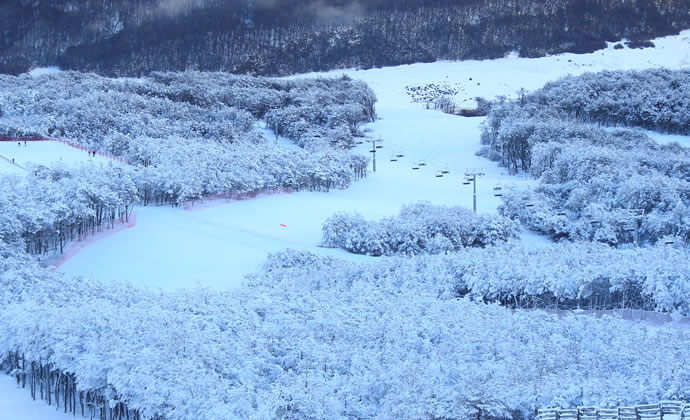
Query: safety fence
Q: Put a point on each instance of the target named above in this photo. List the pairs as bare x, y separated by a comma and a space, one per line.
89, 150
231, 195
664, 410
628, 314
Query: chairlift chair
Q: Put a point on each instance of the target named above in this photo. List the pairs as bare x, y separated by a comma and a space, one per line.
466, 182
529, 205
415, 167
445, 171
400, 155
394, 158
439, 174
379, 147
498, 190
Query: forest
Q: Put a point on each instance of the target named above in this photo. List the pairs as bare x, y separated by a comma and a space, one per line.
50, 207
419, 228
319, 337
191, 135
599, 178
137, 37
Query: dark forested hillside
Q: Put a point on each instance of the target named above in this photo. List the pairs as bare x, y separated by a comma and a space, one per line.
133, 37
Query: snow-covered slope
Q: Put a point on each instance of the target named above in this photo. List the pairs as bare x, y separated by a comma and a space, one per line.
217, 246
40, 152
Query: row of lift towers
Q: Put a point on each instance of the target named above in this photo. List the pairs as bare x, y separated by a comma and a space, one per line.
471, 175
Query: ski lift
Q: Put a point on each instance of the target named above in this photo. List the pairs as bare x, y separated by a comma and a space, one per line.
415, 167
400, 154
529, 205
372, 151
379, 147
394, 157
466, 182
498, 190
439, 174
422, 162
669, 241
359, 142
445, 171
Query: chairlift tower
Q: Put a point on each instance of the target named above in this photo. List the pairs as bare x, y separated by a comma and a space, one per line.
471, 175
373, 150
635, 215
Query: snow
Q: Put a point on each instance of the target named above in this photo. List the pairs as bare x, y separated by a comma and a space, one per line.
17, 403
217, 246
669, 138
40, 71
492, 78
40, 152
174, 249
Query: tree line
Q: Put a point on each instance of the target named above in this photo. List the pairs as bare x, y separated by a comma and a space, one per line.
50, 207
419, 228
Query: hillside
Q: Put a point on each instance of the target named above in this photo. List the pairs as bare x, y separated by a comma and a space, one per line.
136, 37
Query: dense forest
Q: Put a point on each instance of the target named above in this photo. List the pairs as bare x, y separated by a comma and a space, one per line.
319, 337
135, 37
191, 135
597, 180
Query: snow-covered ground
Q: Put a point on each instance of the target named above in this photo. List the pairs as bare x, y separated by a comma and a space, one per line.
217, 246
669, 138
18, 405
41, 152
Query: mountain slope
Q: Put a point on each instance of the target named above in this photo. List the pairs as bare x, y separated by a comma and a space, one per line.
135, 37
